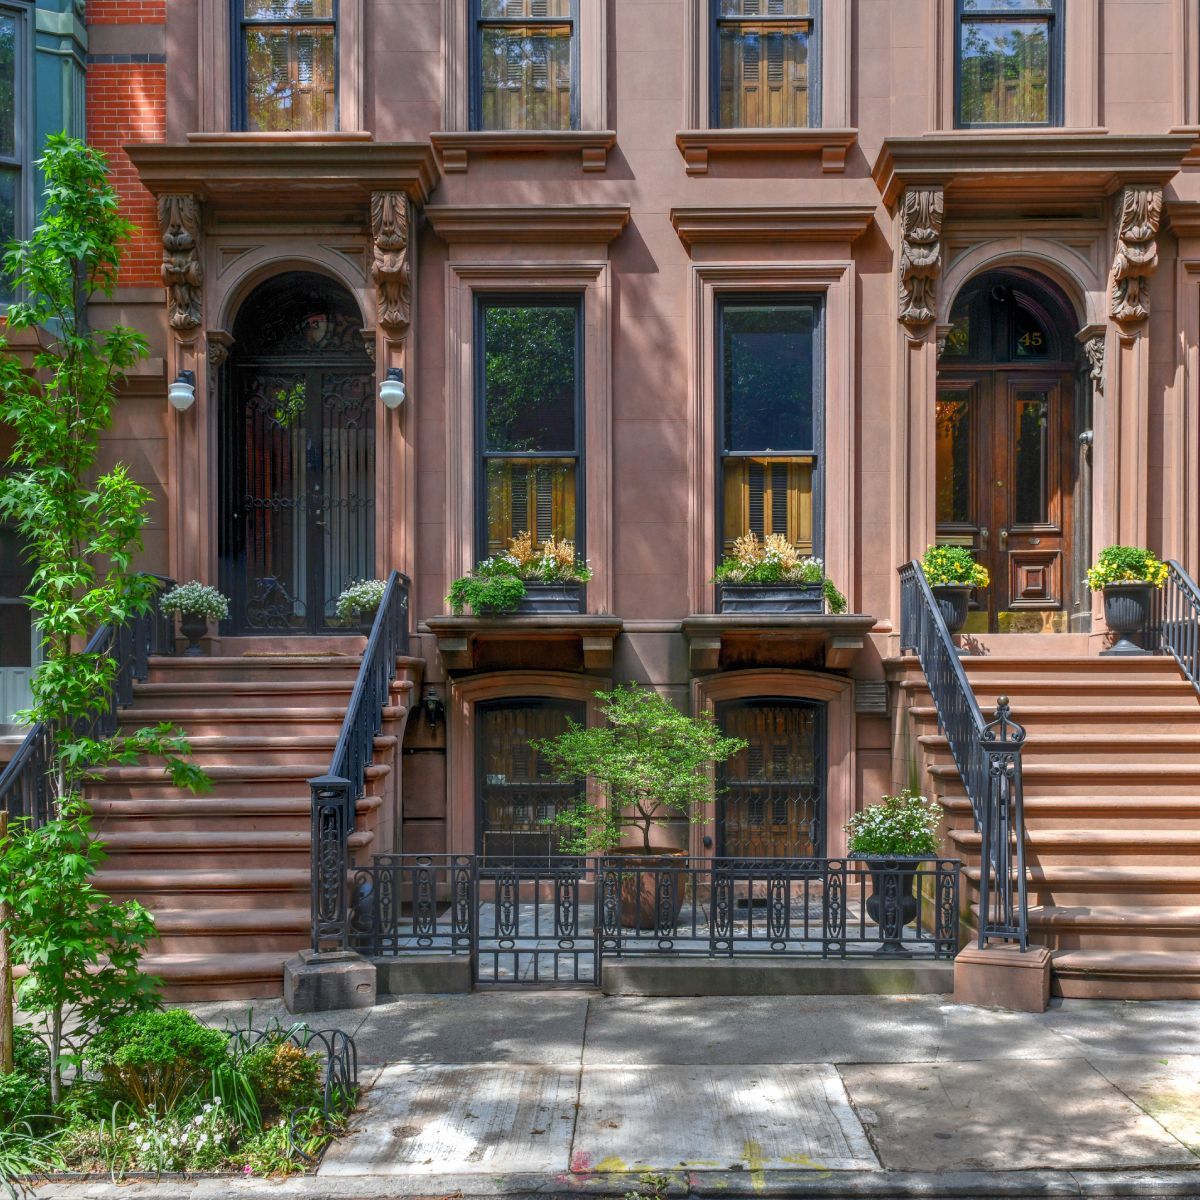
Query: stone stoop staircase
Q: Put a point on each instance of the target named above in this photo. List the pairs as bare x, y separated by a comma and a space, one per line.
227, 874
1112, 814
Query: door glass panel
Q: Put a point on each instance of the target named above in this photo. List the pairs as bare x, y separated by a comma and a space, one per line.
517, 792
772, 803
953, 453
1030, 459
1005, 72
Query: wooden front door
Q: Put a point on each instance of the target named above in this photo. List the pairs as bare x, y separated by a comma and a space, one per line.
1004, 450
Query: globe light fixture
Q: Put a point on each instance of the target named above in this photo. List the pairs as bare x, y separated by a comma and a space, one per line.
182, 393
392, 390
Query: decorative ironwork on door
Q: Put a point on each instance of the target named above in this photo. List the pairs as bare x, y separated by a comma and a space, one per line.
297, 457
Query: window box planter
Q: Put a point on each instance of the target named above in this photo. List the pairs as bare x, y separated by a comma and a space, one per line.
795, 598
550, 598
1127, 608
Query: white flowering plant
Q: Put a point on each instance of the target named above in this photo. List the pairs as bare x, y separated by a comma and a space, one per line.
774, 559
196, 599
903, 826
182, 1139
360, 598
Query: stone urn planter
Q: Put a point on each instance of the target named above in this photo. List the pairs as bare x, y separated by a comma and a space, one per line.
651, 887
893, 903
550, 598
1127, 609
193, 628
791, 598
953, 601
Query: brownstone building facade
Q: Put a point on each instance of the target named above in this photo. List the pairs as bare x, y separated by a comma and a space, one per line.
872, 274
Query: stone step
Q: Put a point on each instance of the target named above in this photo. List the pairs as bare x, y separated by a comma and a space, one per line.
216, 721
1075, 885
223, 931
198, 813
1115, 927
1116, 750
1176, 692
1089, 778
174, 699
118, 783
234, 849
221, 750
1044, 719
980, 666
1097, 847
1127, 974
295, 668
179, 887
1094, 812
189, 977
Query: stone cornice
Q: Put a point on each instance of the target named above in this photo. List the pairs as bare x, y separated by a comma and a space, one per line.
827, 223
461, 638
455, 149
295, 178
697, 145
824, 639
1083, 163
1184, 217
539, 223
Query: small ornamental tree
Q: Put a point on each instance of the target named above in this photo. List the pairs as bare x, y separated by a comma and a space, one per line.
652, 762
82, 528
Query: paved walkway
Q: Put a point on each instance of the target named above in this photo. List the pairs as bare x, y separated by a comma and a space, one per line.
561, 1092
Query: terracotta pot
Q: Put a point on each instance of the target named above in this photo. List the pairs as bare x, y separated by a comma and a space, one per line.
953, 601
651, 887
1127, 608
892, 904
193, 628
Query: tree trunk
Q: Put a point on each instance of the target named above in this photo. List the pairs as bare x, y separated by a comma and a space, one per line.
56, 1029
6, 983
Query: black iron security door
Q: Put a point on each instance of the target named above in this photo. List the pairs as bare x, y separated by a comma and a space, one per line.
297, 458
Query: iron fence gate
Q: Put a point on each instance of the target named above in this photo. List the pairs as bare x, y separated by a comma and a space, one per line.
554, 923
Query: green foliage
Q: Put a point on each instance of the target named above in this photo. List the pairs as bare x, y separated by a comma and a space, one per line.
289, 404
150, 1060
486, 593
284, 1077
498, 583
775, 560
903, 826
282, 1149
24, 1154
361, 598
196, 599
25, 1093
1126, 564
652, 762
953, 565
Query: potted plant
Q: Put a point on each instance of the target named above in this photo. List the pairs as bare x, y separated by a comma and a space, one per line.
952, 574
894, 837
650, 766
771, 575
525, 578
196, 604
1128, 577
360, 600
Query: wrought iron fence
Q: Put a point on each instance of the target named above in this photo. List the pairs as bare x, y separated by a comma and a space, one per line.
25, 784
555, 922
1177, 621
335, 794
988, 757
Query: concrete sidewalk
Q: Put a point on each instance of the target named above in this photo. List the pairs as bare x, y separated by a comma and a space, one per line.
563, 1092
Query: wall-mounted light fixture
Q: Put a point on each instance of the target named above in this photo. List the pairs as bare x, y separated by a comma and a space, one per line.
392, 390
434, 708
182, 393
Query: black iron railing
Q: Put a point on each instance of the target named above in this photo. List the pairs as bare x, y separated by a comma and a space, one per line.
988, 757
557, 921
26, 791
1177, 621
336, 794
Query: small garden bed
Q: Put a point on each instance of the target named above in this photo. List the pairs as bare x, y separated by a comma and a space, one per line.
158, 1092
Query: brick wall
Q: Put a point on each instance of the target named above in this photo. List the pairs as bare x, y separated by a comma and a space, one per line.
127, 12
127, 102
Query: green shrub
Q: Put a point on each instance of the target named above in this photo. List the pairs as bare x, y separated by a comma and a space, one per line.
903, 826
284, 1077
953, 565
485, 594
152, 1059
1126, 564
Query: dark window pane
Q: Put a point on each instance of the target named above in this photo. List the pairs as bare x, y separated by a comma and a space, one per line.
518, 794
767, 361
530, 495
953, 454
768, 495
526, 77
289, 10
8, 86
1029, 481
290, 74
10, 181
529, 377
763, 72
525, 9
1005, 72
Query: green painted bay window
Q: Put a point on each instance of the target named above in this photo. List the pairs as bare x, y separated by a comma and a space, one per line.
765, 64
1009, 62
288, 56
529, 390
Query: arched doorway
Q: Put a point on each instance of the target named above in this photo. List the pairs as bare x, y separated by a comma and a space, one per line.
1006, 449
296, 456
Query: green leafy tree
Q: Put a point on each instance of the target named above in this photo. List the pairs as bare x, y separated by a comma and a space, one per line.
82, 528
652, 763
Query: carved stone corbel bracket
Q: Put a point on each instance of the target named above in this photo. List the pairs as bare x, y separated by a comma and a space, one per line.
391, 268
1137, 251
920, 254
182, 274
1093, 349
